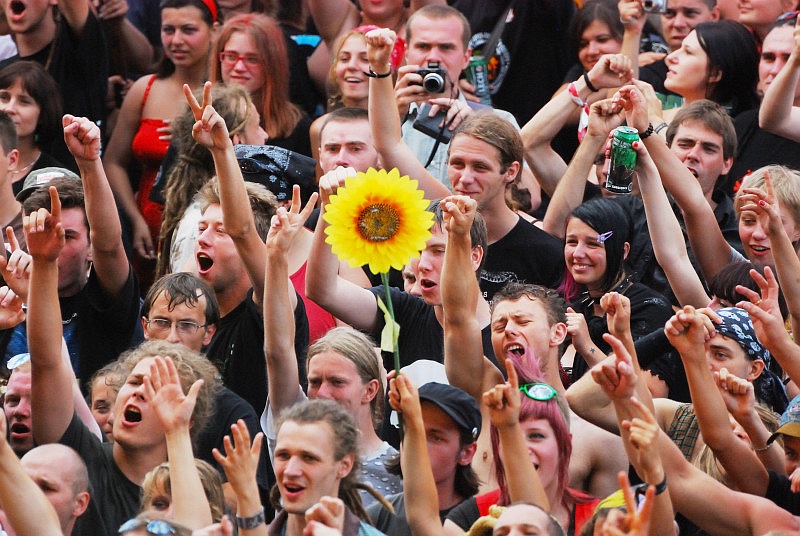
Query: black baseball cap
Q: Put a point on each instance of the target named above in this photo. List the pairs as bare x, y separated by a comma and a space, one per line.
456, 403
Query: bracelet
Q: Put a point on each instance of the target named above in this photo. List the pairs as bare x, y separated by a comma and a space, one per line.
589, 83
760, 449
573, 93
373, 74
661, 487
251, 522
661, 127
646, 134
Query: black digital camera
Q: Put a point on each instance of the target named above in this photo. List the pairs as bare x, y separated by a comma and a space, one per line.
433, 77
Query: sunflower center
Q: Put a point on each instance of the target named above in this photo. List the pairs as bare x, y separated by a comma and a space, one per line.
378, 222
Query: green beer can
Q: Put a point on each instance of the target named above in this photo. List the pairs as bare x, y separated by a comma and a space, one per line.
623, 160
478, 76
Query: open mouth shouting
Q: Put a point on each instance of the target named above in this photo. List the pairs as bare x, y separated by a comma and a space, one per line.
204, 263
132, 415
19, 430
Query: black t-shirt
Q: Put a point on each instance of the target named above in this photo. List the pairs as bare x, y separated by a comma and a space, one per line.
525, 254
532, 55
229, 408
115, 499
80, 66
237, 350
298, 141
779, 491
758, 148
649, 312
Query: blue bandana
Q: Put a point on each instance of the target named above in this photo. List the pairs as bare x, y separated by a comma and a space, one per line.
736, 325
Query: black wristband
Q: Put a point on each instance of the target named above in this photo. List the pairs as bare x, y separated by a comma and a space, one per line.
589, 83
373, 74
646, 134
662, 486
251, 522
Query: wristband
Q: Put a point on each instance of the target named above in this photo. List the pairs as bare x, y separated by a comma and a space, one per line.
661, 487
373, 74
247, 523
589, 83
660, 127
646, 134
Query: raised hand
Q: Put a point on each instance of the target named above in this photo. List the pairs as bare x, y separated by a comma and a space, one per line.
643, 433
82, 137
332, 181
738, 393
635, 521
578, 329
325, 518
209, 129
458, 212
404, 397
604, 116
690, 329
635, 105
764, 308
611, 70
379, 48
285, 225
223, 528
615, 374
17, 268
504, 400
617, 308
764, 205
240, 460
44, 232
163, 389
11, 312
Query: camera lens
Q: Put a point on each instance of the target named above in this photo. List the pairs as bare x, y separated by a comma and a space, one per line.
433, 83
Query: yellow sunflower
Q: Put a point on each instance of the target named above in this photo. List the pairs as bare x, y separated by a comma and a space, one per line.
378, 218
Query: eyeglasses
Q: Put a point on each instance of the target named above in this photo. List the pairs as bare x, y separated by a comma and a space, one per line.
231, 58
157, 527
539, 391
184, 327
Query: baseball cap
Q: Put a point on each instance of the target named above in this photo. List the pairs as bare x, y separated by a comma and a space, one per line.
736, 325
456, 403
790, 421
39, 177
276, 168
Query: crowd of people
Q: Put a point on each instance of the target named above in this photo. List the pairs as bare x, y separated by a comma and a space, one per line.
182, 352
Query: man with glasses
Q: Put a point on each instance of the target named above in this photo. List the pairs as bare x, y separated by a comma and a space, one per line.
528, 323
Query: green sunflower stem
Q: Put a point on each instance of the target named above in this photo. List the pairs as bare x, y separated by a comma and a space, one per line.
395, 349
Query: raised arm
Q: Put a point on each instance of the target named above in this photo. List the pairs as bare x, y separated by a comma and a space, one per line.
778, 114
503, 402
604, 116
347, 301
108, 252
419, 487
174, 411
705, 236
239, 463
464, 362
332, 18
25, 505
385, 122
51, 377
612, 70
282, 375
76, 12
211, 132
765, 314
763, 207
687, 331
666, 235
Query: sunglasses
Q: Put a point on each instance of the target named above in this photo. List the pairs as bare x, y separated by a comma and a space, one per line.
156, 527
538, 391
789, 15
18, 360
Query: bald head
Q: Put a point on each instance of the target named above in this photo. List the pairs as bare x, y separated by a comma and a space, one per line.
61, 474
